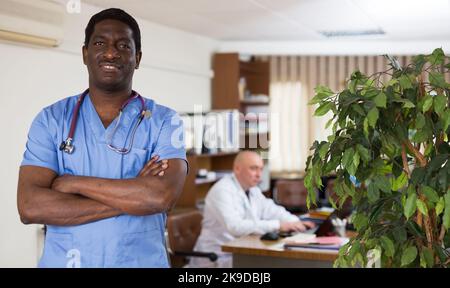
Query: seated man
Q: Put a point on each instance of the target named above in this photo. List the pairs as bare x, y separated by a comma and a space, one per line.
235, 207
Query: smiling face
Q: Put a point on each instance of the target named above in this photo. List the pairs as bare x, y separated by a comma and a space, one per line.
111, 56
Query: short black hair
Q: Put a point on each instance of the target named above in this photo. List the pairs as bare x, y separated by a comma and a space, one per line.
114, 14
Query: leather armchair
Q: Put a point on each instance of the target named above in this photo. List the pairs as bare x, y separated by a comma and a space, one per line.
183, 230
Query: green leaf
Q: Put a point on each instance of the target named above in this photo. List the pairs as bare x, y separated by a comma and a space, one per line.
380, 100
356, 159
359, 221
323, 150
347, 158
426, 258
351, 169
366, 127
408, 104
363, 152
420, 136
405, 82
422, 207
446, 118
440, 206
419, 61
437, 79
373, 116
358, 109
418, 174
440, 253
400, 234
383, 183
428, 150
332, 202
446, 217
392, 82
437, 57
411, 190
323, 109
388, 246
427, 103
414, 229
322, 92
355, 248
373, 194
420, 121
349, 190
409, 255
311, 190
430, 193
410, 205
329, 122
440, 101
399, 182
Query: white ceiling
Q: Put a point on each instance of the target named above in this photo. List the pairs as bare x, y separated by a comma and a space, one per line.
295, 20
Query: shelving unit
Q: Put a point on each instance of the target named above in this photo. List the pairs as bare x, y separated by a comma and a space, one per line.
228, 71
195, 189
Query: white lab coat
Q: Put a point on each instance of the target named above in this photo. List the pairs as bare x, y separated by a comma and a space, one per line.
229, 213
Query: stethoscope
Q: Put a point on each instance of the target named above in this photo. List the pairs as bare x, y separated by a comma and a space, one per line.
67, 145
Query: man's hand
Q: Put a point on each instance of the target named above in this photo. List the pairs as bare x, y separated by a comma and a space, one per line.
154, 168
297, 226
65, 183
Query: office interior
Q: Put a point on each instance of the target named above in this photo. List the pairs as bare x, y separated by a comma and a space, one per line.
248, 65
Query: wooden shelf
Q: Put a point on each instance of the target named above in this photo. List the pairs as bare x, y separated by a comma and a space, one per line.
256, 103
252, 68
228, 70
219, 175
202, 181
219, 154
256, 134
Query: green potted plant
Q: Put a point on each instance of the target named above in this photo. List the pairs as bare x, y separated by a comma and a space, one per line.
389, 150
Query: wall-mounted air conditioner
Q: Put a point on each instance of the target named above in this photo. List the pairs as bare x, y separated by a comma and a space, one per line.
36, 22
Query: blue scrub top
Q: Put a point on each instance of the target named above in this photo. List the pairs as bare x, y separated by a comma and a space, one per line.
121, 241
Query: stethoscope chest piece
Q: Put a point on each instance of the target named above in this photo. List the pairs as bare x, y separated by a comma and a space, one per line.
67, 146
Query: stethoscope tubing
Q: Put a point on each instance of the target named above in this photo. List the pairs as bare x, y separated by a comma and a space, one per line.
68, 147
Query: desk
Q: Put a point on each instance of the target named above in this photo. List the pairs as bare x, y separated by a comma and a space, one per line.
251, 252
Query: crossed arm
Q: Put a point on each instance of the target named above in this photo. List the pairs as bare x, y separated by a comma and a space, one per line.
44, 198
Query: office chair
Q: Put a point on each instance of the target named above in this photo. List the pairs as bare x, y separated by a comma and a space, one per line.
291, 194
183, 230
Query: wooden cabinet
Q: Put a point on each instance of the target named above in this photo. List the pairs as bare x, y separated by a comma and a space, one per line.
195, 189
229, 74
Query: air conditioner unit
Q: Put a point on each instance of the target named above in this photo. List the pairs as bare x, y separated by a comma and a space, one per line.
36, 22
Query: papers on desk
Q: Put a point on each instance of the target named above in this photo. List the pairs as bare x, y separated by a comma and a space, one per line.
302, 240
321, 213
299, 238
